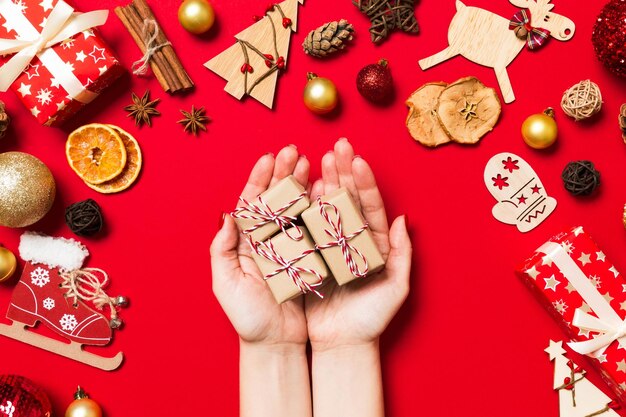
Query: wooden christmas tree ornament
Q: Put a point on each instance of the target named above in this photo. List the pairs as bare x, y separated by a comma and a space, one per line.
493, 41
252, 65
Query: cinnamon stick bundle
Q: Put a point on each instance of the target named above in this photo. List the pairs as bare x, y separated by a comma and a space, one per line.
164, 62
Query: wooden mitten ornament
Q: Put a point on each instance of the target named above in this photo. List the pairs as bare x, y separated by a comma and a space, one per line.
487, 39
578, 397
522, 200
252, 65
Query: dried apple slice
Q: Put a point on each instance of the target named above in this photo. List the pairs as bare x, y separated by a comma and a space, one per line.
422, 120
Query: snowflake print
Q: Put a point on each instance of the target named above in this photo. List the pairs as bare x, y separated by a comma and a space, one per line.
510, 164
44, 96
68, 322
20, 5
567, 246
40, 277
7, 409
48, 303
595, 280
560, 306
500, 182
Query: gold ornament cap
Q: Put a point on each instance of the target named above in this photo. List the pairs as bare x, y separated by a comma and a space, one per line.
8, 264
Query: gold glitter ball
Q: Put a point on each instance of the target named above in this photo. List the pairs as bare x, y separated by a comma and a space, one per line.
27, 189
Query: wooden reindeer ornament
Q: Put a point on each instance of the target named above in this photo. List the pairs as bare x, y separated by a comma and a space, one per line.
487, 39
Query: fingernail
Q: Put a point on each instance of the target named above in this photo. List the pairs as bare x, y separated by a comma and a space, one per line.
302, 157
330, 151
293, 146
356, 156
221, 222
270, 154
342, 140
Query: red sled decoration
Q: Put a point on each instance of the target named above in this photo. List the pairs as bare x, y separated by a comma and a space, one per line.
51, 291
583, 291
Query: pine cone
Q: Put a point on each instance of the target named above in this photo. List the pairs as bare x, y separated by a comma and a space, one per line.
328, 38
622, 121
4, 120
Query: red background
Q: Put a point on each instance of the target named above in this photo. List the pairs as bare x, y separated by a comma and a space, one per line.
470, 338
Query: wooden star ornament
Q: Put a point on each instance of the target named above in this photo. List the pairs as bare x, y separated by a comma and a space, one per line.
388, 15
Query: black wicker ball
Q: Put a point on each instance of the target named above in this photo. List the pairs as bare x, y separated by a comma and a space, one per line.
580, 177
84, 218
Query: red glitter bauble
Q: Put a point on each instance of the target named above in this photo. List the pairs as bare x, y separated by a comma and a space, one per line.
374, 82
609, 37
20, 397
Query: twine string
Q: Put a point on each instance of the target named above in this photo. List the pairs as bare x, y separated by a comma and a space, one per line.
84, 284
140, 67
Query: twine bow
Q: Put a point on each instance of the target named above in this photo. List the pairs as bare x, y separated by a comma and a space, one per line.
61, 24
265, 215
341, 240
140, 67
85, 285
267, 250
535, 37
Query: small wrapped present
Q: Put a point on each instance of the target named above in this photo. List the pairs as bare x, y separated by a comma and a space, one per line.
342, 236
290, 268
52, 58
584, 292
276, 209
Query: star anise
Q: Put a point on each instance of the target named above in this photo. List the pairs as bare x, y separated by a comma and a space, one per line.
142, 109
194, 120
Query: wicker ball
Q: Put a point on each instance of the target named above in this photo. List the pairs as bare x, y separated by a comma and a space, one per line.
84, 218
4, 120
582, 100
580, 177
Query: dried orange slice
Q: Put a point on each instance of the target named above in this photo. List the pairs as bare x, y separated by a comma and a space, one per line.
130, 172
96, 153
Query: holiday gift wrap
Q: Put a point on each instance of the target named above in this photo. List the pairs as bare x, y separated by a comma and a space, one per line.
343, 237
54, 59
290, 267
584, 292
275, 209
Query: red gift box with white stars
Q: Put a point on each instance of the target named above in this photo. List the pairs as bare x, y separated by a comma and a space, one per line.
85, 54
583, 290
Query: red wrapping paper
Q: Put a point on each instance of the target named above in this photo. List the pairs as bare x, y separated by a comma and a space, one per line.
92, 61
549, 282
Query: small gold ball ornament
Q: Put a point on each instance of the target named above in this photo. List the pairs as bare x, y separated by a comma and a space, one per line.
539, 130
27, 189
320, 94
83, 406
196, 16
8, 263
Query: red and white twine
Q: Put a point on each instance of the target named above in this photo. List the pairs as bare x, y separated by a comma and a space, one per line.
84, 284
267, 250
262, 213
341, 240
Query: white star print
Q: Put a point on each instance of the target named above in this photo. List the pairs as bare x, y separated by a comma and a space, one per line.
68, 43
582, 332
102, 69
54, 82
560, 306
546, 260
532, 272
602, 358
570, 287
622, 305
80, 56
600, 256
584, 258
585, 308
622, 385
20, 4
87, 33
60, 105
70, 66
567, 246
578, 230
614, 271
24, 89
43, 22
551, 283
46, 4
623, 287
621, 366
608, 297
88, 82
44, 96
97, 54
8, 26
32, 71
35, 111
595, 280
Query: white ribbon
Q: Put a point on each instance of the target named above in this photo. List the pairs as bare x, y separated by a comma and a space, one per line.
61, 24
608, 323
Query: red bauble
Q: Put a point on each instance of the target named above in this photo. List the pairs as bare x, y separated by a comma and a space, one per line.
609, 37
20, 397
374, 82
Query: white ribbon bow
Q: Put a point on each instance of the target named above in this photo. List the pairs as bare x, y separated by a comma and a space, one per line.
61, 24
608, 323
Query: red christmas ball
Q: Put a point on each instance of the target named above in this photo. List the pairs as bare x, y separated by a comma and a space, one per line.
20, 397
374, 82
609, 37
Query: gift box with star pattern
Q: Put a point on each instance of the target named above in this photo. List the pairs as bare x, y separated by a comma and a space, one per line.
83, 60
584, 292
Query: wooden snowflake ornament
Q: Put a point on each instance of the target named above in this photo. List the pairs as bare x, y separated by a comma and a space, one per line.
252, 65
487, 39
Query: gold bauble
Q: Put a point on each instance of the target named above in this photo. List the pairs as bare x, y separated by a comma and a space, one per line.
196, 16
320, 94
539, 130
27, 189
83, 406
8, 263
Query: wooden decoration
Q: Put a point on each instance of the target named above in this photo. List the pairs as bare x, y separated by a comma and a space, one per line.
578, 397
485, 38
252, 65
522, 199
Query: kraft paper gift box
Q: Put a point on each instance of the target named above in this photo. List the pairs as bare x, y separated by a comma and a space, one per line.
583, 291
275, 209
290, 268
68, 71
338, 215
